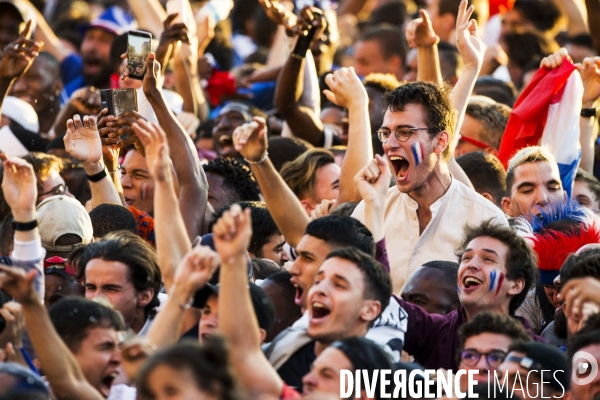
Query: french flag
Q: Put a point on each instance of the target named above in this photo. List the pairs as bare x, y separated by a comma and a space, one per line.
418, 152
547, 114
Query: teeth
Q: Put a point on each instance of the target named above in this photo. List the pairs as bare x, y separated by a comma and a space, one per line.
470, 280
396, 158
319, 305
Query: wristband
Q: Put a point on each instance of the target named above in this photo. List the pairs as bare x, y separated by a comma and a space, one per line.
262, 159
97, 177
116, 170
588, 112
24, 226
303, 43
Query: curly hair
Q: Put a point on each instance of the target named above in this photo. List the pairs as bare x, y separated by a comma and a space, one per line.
435, 101
237, 178
520, 263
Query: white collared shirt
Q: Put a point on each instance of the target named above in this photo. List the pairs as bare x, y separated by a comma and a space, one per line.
407, 250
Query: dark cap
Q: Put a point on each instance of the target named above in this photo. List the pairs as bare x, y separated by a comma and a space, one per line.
364, 353
542, 356
263, 306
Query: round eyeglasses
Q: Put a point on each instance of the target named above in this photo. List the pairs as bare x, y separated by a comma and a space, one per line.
402, 133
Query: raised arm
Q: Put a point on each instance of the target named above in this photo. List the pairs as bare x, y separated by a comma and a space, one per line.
250, 140
373, 182
62, 370
193, 194
420, 35
471, 50
172, 241
290, 84
346, 90
590, 76
16, 59
19, 187
82, 142
576, 15
237, 319
593, 11
149, 15
44, 33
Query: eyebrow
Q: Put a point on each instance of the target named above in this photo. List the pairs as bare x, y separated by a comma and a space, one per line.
138, 170
484, 250
336, 182
306, 254
341, 278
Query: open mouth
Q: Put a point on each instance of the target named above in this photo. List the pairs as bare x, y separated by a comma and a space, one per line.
400, 166
471, 282
319, 310
299, 293
107, 382
129, 201
225, 140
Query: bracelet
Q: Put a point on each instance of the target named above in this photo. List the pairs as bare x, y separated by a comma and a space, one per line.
24, 226
97, 177
116, 169
262, 159
588, 112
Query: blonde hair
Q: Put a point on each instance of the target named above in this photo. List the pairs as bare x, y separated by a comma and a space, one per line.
301, 174
531, 154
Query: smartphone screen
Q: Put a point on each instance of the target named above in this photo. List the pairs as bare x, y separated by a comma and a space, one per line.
139, 44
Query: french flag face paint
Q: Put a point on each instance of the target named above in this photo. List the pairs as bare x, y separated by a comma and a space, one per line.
496, 279
418, 152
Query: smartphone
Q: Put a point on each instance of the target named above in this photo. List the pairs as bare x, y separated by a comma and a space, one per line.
139, 44
118, 101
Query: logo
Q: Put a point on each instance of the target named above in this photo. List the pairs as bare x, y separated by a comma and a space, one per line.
584, 367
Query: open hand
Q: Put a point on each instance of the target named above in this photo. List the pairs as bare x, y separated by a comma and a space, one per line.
469, 44
82, 142
590, 76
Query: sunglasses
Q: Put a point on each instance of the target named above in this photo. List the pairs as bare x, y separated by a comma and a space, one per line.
57, 190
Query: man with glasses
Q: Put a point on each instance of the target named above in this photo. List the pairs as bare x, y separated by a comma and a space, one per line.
427, 209
484, 342
47, 170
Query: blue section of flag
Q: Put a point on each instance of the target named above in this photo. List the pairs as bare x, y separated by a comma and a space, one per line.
567, 174
492, 280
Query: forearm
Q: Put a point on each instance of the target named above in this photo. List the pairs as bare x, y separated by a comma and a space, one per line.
458, 173
149, 15
593, 11
460, 98
359, 152
52, 43
29, 254
104, 190
428, 64
172, 241
588, 128
4, 88
266, 74
191, 177
164, 328
355, 7
290, 85
284, 206
61, 369
576, 16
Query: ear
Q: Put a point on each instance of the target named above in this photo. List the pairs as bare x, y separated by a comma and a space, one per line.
491, 151
487, 196
370, 310
145, 297
263, 335
516, 287
441, 142
57, 87
506, 206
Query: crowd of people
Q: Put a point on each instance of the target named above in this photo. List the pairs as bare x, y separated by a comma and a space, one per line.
304, 187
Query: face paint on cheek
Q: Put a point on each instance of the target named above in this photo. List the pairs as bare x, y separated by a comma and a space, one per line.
144, 190
496, 279
418, 152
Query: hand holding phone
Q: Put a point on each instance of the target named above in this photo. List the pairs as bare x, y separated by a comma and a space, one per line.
139, 45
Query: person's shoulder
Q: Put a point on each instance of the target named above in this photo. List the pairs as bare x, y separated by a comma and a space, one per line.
470, 198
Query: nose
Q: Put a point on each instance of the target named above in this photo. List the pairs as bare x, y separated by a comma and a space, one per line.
223, 124
309, 381
542, 198
482, 365
284, 256
295, 268
126, 181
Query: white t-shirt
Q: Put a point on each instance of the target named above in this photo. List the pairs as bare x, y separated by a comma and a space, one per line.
407, 250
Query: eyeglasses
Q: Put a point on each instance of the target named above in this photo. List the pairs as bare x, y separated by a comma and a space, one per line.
402, 133
470, 357
474, 142
56, 190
